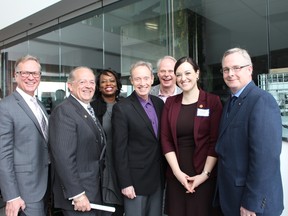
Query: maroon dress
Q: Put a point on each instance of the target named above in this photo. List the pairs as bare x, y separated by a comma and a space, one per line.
178, 202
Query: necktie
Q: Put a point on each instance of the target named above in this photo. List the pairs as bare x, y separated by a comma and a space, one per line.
98, 125
41, 119
231, 104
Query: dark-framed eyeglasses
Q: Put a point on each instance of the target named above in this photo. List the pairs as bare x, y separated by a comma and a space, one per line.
25, 74
234, 69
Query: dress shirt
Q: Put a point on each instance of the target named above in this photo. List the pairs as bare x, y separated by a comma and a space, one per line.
151, 113
31, 105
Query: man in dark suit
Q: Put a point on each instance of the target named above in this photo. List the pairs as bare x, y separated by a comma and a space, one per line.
137, 152
249, 144
76, 139
24, 156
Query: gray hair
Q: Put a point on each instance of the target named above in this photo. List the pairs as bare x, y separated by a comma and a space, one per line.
141, 63
27, 58
165, 57
241, 51
71, 76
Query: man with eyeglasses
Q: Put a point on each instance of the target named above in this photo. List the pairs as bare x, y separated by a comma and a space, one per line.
76, 140
249, 144
24, 157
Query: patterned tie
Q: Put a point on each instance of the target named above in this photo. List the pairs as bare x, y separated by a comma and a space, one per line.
98, 125
41, 119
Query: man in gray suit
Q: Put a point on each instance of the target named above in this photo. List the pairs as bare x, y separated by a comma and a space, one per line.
76, 140
167, 78
23, 143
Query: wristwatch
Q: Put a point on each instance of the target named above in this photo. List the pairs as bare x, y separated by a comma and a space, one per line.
207, 173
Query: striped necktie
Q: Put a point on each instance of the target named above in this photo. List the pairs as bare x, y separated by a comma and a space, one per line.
98, 125
41, 118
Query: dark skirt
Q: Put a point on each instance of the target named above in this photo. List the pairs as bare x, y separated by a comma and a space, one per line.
180, 203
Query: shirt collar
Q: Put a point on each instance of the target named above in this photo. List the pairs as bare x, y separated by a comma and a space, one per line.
161, 95
237, 94
82, 104
25, 96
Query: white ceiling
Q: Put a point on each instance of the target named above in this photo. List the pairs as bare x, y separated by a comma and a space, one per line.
41, 17
13, 10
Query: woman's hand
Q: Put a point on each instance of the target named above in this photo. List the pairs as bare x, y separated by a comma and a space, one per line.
183, 179
196, 180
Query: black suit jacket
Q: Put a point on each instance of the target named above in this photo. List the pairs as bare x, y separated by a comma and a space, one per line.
137, 153
76, 146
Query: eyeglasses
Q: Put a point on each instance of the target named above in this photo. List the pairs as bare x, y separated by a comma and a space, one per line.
25, 74
234, 69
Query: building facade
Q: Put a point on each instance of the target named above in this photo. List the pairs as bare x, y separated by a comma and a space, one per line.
116, 33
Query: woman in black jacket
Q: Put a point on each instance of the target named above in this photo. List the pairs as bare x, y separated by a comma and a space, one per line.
108, 88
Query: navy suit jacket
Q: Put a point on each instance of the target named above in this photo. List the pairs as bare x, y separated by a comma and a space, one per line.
205, 128
137, 152
249, 147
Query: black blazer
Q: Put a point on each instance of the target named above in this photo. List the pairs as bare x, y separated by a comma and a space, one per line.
137, 152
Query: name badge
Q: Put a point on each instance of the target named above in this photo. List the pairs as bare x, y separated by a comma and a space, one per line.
203, 112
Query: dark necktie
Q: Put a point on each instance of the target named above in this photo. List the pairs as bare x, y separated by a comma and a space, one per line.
98, 125
231, 104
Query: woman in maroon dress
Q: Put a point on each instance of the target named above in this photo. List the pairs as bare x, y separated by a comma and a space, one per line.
189, 132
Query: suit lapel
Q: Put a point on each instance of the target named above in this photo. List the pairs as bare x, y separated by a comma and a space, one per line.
173, 114
140, 110
81, 111
202, 104
158, 113
23, 105
226, 121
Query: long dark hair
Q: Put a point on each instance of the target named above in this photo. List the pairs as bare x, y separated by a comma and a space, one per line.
107, 72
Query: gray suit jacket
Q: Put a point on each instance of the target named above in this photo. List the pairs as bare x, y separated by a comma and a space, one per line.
76, 146
23, 151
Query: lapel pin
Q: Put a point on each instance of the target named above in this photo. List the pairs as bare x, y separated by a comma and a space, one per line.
200, 106
85, 116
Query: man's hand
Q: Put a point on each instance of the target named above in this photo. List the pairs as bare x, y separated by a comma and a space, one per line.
245, 212
129, 192
82, 203
12, 207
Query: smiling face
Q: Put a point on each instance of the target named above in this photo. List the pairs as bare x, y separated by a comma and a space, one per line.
186, 77
83, 84
166, 74
108, 85
28, 84
142, 80
236, 80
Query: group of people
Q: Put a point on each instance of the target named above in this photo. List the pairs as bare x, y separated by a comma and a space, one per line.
173, 141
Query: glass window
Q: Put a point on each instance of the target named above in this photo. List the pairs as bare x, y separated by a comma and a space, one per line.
127, 31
